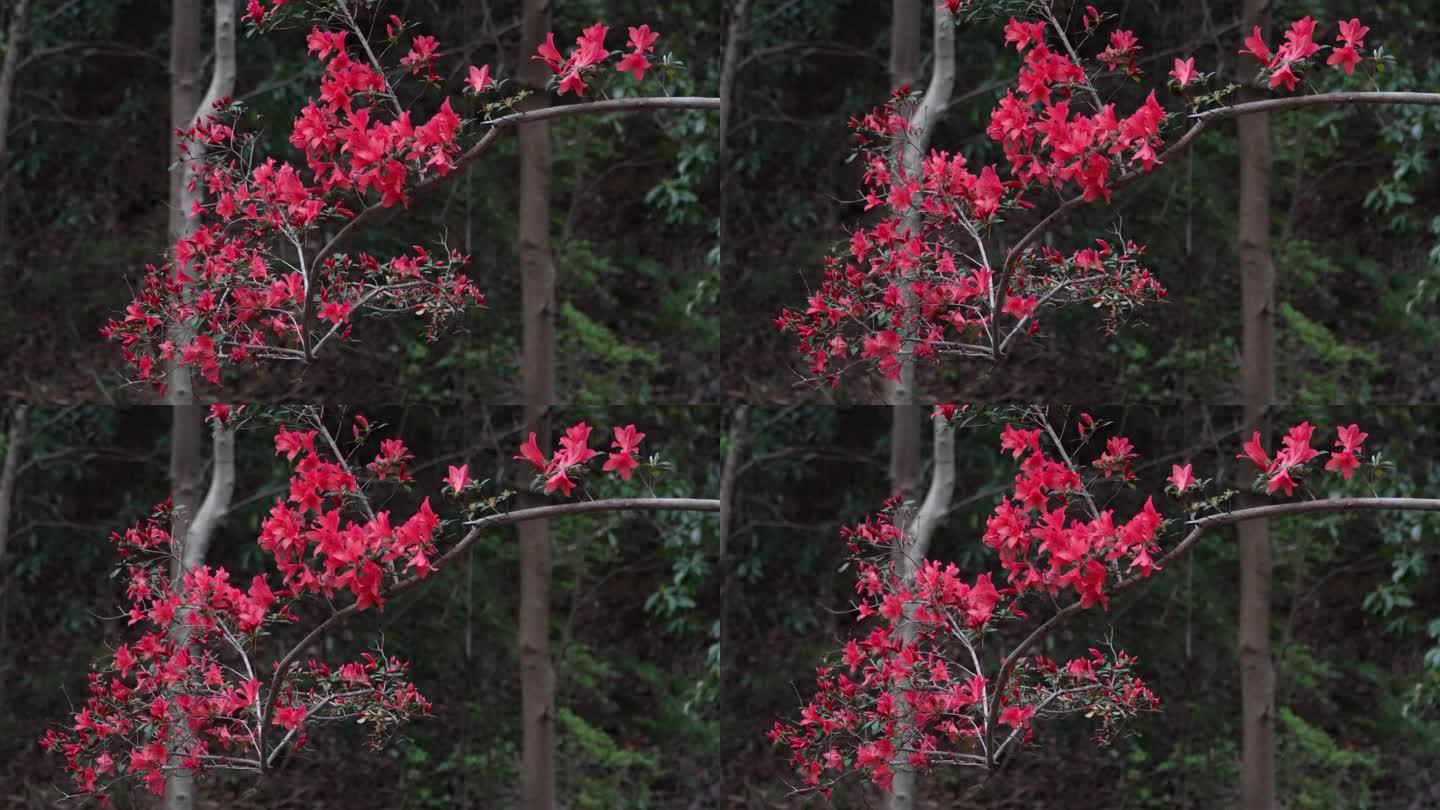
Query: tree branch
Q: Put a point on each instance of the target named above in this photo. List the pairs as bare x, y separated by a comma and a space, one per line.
509, 122
1202, 121
1201, 526
480, 526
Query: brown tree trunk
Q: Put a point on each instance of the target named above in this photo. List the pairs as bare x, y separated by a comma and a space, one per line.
537, 301
14, 44
729, 67
1257, 387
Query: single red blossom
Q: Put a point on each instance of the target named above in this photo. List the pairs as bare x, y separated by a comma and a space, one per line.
1256, 47
1344, 461
1299, 40
1254, 451
622, 463
1184, 71
642, 39
291, 717
293, 443
458, 478
479, 80
1351, 438
423, 50
1281, 480
1016, 716
321, 43
1352, 33
1019, 441
1284, 76
633, 63
1181, 477
1347, 58
530, 451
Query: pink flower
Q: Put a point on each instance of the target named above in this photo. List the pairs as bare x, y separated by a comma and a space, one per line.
1181, 477
1184, 71
458, 478
642, 39
1352, 33
479, 79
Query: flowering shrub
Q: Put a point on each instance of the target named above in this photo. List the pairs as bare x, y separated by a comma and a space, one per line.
927, 687
251, 282
204, 695
950, 285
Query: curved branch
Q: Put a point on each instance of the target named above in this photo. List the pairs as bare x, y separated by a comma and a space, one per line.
1201, 526
498, 125
1202, 121
480, 526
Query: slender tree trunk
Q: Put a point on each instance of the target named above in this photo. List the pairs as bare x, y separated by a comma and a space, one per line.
908, 560
537, 294
729, 67
9, 476
905, 17
185, 95
1257, 386
193, 522
906, 416
14, 44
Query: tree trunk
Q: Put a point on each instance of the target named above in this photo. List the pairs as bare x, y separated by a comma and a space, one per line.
14, 44
186, 420
921, 528
9, 476
192, 522
199, 529
729, 67
537, 301
906, 415
1257, 386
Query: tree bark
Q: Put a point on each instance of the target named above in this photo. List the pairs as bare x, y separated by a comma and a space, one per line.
908, 560
906, 415
14, 43
9, 477
193, 522
1257, 387
729, 67
537, 301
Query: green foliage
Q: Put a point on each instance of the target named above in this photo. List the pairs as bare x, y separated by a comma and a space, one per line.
1316, 771
621, 368
597, 772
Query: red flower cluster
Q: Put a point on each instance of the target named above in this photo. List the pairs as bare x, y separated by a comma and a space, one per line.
917, 691
1300, 46
201, 698
591, 51
932, 291
1281, 472
317, 550
574, 452
252, 283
